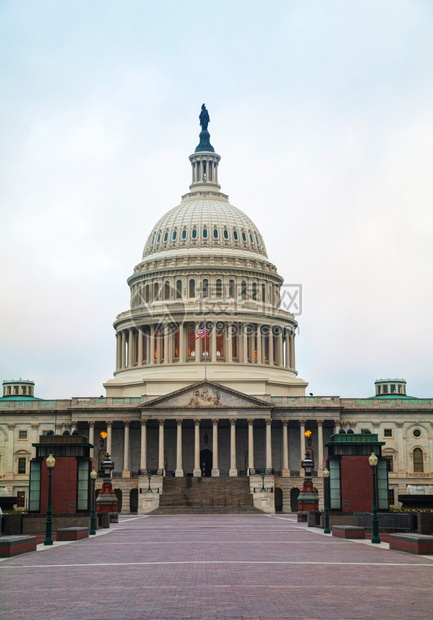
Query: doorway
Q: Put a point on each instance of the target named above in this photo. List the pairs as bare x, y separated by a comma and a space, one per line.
133, 500
206, 463
294, 493
278, 499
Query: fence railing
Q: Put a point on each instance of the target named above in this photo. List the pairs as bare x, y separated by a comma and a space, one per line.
391, 522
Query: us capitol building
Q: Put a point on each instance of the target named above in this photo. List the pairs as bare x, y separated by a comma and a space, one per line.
205, 383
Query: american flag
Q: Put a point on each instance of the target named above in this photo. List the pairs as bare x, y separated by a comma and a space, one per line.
202, 332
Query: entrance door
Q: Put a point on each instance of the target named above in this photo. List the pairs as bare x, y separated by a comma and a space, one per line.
294, 499
278, 499
133, 500
206, 463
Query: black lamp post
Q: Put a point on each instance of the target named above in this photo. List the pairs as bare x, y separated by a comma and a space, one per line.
373, 460
325, 497
50, 462
308, 465
93, 476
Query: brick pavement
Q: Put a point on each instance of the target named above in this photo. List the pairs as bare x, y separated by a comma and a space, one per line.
216, 567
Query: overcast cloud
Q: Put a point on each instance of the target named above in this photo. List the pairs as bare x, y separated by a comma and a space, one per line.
322, 113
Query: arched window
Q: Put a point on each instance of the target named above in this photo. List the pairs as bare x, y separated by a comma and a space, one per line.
147, 293
156, 291
179, 289
158, 238
235, 347
165, 235
232, 289
254, 291
167, 290
235, 235
184, 234
205, 287
226, 233
192, 288
194, 233
263, 292
220, 346
244, 237
418, 461
219, 288
174, 235
215, 233
205, 233
191, 343
243, 289
251, 238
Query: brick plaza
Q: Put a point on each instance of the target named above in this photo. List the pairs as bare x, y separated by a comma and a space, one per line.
216, 567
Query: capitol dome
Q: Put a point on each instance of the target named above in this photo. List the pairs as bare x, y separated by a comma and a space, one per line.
204, 269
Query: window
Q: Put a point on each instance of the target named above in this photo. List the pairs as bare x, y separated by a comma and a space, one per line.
418, 462
205, 287
254, 292
226, 234
219, 288
251, 238
205, 233
417, 432
16, 390
21, 499
174, 235
147, 293
159, 238
155, 291
387, 432
176, 345
191, 343
194, 233
391, 497
244, 237
22, 434
192, 288
184, 234
243, 289
166, 236
22, 464
24, 389
385, 389
232, 289
179, 289
220, 345
167, 290
215, 233
235, 346
83, 486
235, 235
378, 389
263, 292
389, 463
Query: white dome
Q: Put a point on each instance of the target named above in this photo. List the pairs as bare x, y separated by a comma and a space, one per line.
205, 222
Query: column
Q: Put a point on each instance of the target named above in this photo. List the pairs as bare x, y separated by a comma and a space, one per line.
109, 436
302, 447
140, 347
319, 466
161, 445
286, 469
152, 359
92, 438
400, 449
271, 346
280, 358
268, 445
229, 344
250, 445
337, 426
197, 469
287, 345
182, 345
244, 343
123, 349
179, 471
126, 473
167, 346
215, 470
259, 345
118, 351
130, 348
233, 472
143, 447
292, 350
212, 345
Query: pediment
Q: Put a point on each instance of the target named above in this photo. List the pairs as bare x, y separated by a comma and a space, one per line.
206, 395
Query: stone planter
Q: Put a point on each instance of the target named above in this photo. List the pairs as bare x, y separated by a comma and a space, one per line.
12, 524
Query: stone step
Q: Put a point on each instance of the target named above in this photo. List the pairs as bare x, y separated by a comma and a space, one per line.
218, 495
180, 510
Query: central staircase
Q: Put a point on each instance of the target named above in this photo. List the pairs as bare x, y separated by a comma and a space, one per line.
206, 496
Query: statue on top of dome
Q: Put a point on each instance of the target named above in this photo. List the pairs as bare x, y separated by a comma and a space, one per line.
204, 118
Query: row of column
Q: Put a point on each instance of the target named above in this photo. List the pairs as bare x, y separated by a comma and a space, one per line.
135, 347
215, 468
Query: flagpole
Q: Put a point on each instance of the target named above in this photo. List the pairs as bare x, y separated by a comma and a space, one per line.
205, 352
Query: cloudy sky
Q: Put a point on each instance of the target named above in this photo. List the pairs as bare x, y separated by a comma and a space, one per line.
322, 113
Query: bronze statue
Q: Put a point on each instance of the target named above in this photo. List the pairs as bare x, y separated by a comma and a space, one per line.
204, 118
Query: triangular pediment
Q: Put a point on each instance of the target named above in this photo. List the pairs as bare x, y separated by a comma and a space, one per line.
206, 395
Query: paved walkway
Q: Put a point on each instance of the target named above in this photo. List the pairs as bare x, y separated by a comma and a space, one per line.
216, 567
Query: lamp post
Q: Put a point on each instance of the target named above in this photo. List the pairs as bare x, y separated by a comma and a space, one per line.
325, 497
373, 460
50, 462
93, 476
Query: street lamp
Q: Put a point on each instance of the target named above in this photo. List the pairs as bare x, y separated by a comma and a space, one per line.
325, 497
373, 460
50, 462
93, 476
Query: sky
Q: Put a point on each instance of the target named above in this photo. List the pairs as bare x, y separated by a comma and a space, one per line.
322, 114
